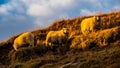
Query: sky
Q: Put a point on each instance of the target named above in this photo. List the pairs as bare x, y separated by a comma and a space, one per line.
17, 16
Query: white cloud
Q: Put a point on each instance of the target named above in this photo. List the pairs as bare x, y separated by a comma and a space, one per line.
92, 1
42, 11
47, 7
14, 6
58, 4
4, 9
41, 22
87, 12
47, 10
39, 10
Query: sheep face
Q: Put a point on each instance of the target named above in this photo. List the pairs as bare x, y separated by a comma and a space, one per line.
98, 19
65, 30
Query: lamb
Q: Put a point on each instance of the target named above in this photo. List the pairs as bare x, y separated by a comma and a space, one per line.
90, 24
23, 39
57, 37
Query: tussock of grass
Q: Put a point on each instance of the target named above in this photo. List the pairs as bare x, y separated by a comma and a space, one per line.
81, 42
99, 38
37, 63
25, 54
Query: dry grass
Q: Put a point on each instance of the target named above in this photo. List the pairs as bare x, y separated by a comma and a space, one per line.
99, 49
101, 38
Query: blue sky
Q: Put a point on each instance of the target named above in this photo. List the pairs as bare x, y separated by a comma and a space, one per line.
17, 16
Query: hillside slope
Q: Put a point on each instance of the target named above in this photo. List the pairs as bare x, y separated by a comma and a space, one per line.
102, 47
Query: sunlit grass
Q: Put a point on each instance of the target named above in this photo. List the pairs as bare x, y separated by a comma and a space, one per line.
98, 49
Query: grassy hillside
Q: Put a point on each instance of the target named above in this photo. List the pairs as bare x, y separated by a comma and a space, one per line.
102, 48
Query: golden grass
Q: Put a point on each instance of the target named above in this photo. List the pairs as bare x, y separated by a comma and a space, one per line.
100, 38
99, 49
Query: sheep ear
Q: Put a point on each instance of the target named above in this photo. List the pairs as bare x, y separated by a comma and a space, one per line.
98, 18
94, 17
63, 28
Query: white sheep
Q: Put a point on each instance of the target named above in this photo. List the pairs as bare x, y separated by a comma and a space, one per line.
23, 39
90, 24
58, 37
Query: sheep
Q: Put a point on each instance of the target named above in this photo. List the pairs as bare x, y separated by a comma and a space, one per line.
23, 39
57, 37
89, 25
